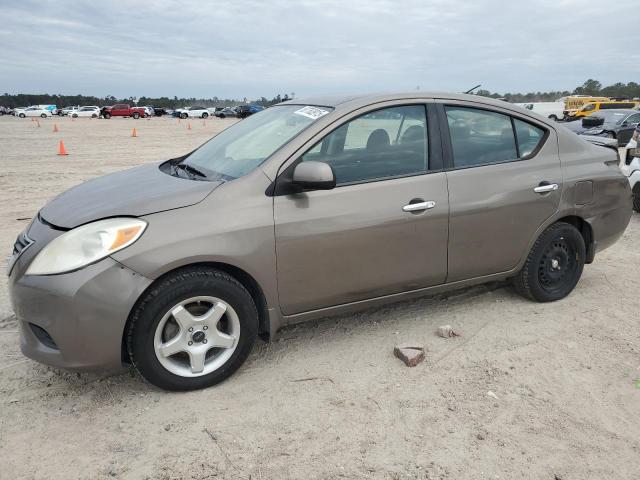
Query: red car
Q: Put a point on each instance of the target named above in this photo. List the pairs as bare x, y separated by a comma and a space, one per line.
124, 110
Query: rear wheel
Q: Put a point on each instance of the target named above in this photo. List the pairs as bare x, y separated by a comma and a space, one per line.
43, 115
636, 197
136, 115
107, 115
205, 115
183, 116
21, 115
554, 265
192, 330
553, 117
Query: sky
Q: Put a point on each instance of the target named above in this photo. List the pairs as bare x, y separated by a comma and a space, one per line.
247, 48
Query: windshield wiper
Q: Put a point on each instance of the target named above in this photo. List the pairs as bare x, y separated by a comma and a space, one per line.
190, 169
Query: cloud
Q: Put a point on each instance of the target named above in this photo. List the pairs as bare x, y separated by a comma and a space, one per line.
253, 48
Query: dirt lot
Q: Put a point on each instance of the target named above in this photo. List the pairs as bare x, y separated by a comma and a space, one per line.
329, 400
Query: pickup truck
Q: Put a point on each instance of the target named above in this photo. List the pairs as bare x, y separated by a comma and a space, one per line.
123, 110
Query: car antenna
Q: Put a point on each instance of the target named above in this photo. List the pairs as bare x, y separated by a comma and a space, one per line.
472, 89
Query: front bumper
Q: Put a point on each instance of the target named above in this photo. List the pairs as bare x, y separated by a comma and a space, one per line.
83, 312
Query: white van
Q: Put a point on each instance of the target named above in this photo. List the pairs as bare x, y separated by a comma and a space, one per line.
552, 110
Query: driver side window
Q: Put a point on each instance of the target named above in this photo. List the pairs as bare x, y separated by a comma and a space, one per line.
386, 143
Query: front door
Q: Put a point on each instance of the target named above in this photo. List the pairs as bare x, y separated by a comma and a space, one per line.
382, 230
504, 181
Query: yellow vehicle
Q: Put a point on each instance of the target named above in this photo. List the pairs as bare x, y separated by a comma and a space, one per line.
574, 103
594, 107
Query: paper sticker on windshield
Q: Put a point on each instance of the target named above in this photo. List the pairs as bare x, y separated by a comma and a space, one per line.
313, 113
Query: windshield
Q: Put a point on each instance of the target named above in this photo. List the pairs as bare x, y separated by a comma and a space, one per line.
242, 147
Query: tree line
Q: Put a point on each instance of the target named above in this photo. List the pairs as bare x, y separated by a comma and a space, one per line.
25, 100
590, 87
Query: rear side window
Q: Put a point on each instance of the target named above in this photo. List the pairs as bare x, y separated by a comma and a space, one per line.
386, 143
480, 137
528, 136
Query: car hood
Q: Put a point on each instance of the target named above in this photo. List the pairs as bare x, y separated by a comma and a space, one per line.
135, 192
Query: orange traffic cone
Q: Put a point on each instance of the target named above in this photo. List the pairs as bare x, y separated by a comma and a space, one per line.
189, 126
55, 128
61, 149
134, 133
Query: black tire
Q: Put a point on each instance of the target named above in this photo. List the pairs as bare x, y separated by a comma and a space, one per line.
93, 115
636, 197
136, 115
553, 117
183, 116
107, 115
205, 115
21, 115
541, 279
160, 298
75, 115
222, 115
43, 115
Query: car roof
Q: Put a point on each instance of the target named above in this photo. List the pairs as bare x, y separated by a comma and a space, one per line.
355, 101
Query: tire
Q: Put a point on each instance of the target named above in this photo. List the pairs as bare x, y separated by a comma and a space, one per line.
553, 117
222, 115
205, 115
636, 198
93, 115
183, 116
21, 115
554, 265
75, 115
191, 288
107, 116
136, 115
43, 115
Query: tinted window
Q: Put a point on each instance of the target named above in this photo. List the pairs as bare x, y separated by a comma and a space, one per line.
391, 142
480, 136
635, 118
528, 136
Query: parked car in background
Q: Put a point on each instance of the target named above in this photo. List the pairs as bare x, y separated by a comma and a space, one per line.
158, 111
617, 124
5, 111
320, 206
34, 111
67, 110
574, 103
630, 166
123, 110
593, 107
226, 112
193, 112
552, 110
243, 111
91, 111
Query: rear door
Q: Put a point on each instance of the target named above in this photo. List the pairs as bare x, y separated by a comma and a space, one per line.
504, 181
382, 230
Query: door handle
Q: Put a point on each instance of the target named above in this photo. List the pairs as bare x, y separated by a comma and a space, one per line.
418, 207
546, 187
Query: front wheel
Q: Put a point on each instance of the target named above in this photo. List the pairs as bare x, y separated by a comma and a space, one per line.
183, 116
554, 265
21, 115
205, 115
136, 115
107, 116
192, 330
553, 117
43, 115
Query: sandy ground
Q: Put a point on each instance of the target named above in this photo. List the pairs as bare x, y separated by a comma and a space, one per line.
329, 400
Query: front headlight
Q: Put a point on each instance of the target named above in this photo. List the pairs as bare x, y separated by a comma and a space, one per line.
87, 244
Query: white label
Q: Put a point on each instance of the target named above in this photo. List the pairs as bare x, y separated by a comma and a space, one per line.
313, 113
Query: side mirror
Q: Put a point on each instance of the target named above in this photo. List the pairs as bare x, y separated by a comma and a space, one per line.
314, 176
